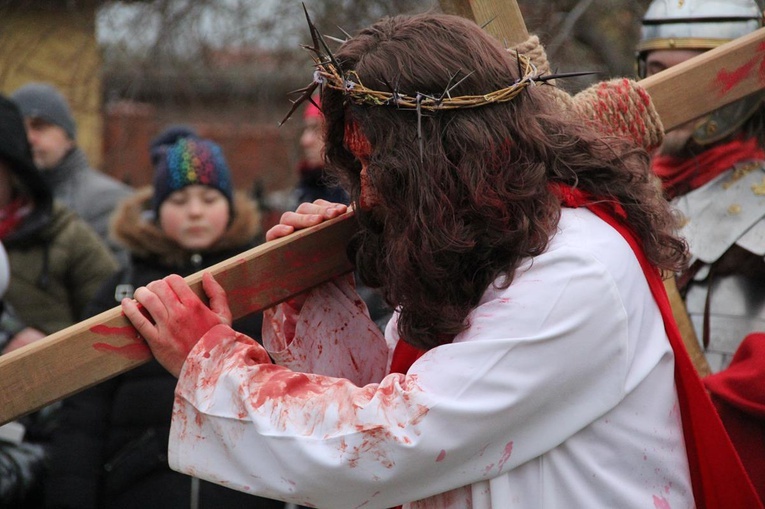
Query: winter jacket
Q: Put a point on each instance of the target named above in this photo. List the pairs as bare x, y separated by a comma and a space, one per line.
57, 264
110, 450
314, 184
92, 194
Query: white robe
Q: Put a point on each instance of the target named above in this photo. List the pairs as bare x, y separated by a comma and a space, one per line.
560, 394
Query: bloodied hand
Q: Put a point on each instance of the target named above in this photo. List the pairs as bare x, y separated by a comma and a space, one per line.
306, 215
178, 318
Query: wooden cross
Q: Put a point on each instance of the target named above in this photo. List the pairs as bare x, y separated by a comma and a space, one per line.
106, 345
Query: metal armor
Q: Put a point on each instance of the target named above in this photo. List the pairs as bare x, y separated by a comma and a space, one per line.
725, 230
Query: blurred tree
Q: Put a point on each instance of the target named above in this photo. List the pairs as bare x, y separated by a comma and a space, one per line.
594, 35
232, 62
184, 50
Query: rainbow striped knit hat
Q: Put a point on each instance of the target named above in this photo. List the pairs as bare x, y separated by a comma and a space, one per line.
190, 161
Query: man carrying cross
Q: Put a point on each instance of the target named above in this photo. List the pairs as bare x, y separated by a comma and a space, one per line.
532, 358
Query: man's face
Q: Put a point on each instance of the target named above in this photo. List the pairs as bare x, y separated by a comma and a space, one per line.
656, 61
49, 142
660, 59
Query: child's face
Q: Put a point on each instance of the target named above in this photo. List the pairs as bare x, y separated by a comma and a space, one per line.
195, 217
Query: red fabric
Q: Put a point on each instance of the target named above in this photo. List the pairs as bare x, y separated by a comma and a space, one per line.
312, 111
741, 384
738, 392
717, 474
11, 216
404, 356
681, 175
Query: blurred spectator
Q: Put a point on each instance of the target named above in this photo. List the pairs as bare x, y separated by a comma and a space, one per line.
18, 461
314, 184
52, 132
57, 263
111, 448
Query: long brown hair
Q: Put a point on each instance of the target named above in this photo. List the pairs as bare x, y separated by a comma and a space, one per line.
463, 209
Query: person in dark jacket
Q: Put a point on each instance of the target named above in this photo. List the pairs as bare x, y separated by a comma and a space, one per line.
314, 183
57, 263
111, 448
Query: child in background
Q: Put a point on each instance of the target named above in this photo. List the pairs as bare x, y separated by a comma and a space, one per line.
110, 450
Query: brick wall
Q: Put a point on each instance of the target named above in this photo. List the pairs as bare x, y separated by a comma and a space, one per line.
263, 155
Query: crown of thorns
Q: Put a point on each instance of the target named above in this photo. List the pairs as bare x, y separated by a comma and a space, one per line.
329, 73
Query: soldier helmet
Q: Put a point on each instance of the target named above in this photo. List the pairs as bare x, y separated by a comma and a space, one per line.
702, 25
697, 24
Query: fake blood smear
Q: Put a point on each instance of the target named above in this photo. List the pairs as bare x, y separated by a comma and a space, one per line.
506, 454
327, 406
727, 80
137, 349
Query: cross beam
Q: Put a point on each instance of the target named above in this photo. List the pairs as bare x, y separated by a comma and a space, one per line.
106, 345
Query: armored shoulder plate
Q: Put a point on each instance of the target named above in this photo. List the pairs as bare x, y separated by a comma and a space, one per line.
726, 211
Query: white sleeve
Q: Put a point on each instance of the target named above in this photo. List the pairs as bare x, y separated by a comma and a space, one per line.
541, 360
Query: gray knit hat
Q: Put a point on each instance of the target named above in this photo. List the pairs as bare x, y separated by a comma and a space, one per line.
41, 100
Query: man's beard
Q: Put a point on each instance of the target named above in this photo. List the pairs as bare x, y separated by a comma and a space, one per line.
368, 246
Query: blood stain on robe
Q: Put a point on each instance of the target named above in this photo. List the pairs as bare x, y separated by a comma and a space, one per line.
660, 503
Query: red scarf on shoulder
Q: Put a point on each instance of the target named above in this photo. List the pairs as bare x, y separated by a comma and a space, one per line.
717, 474
681, 175
11, 215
